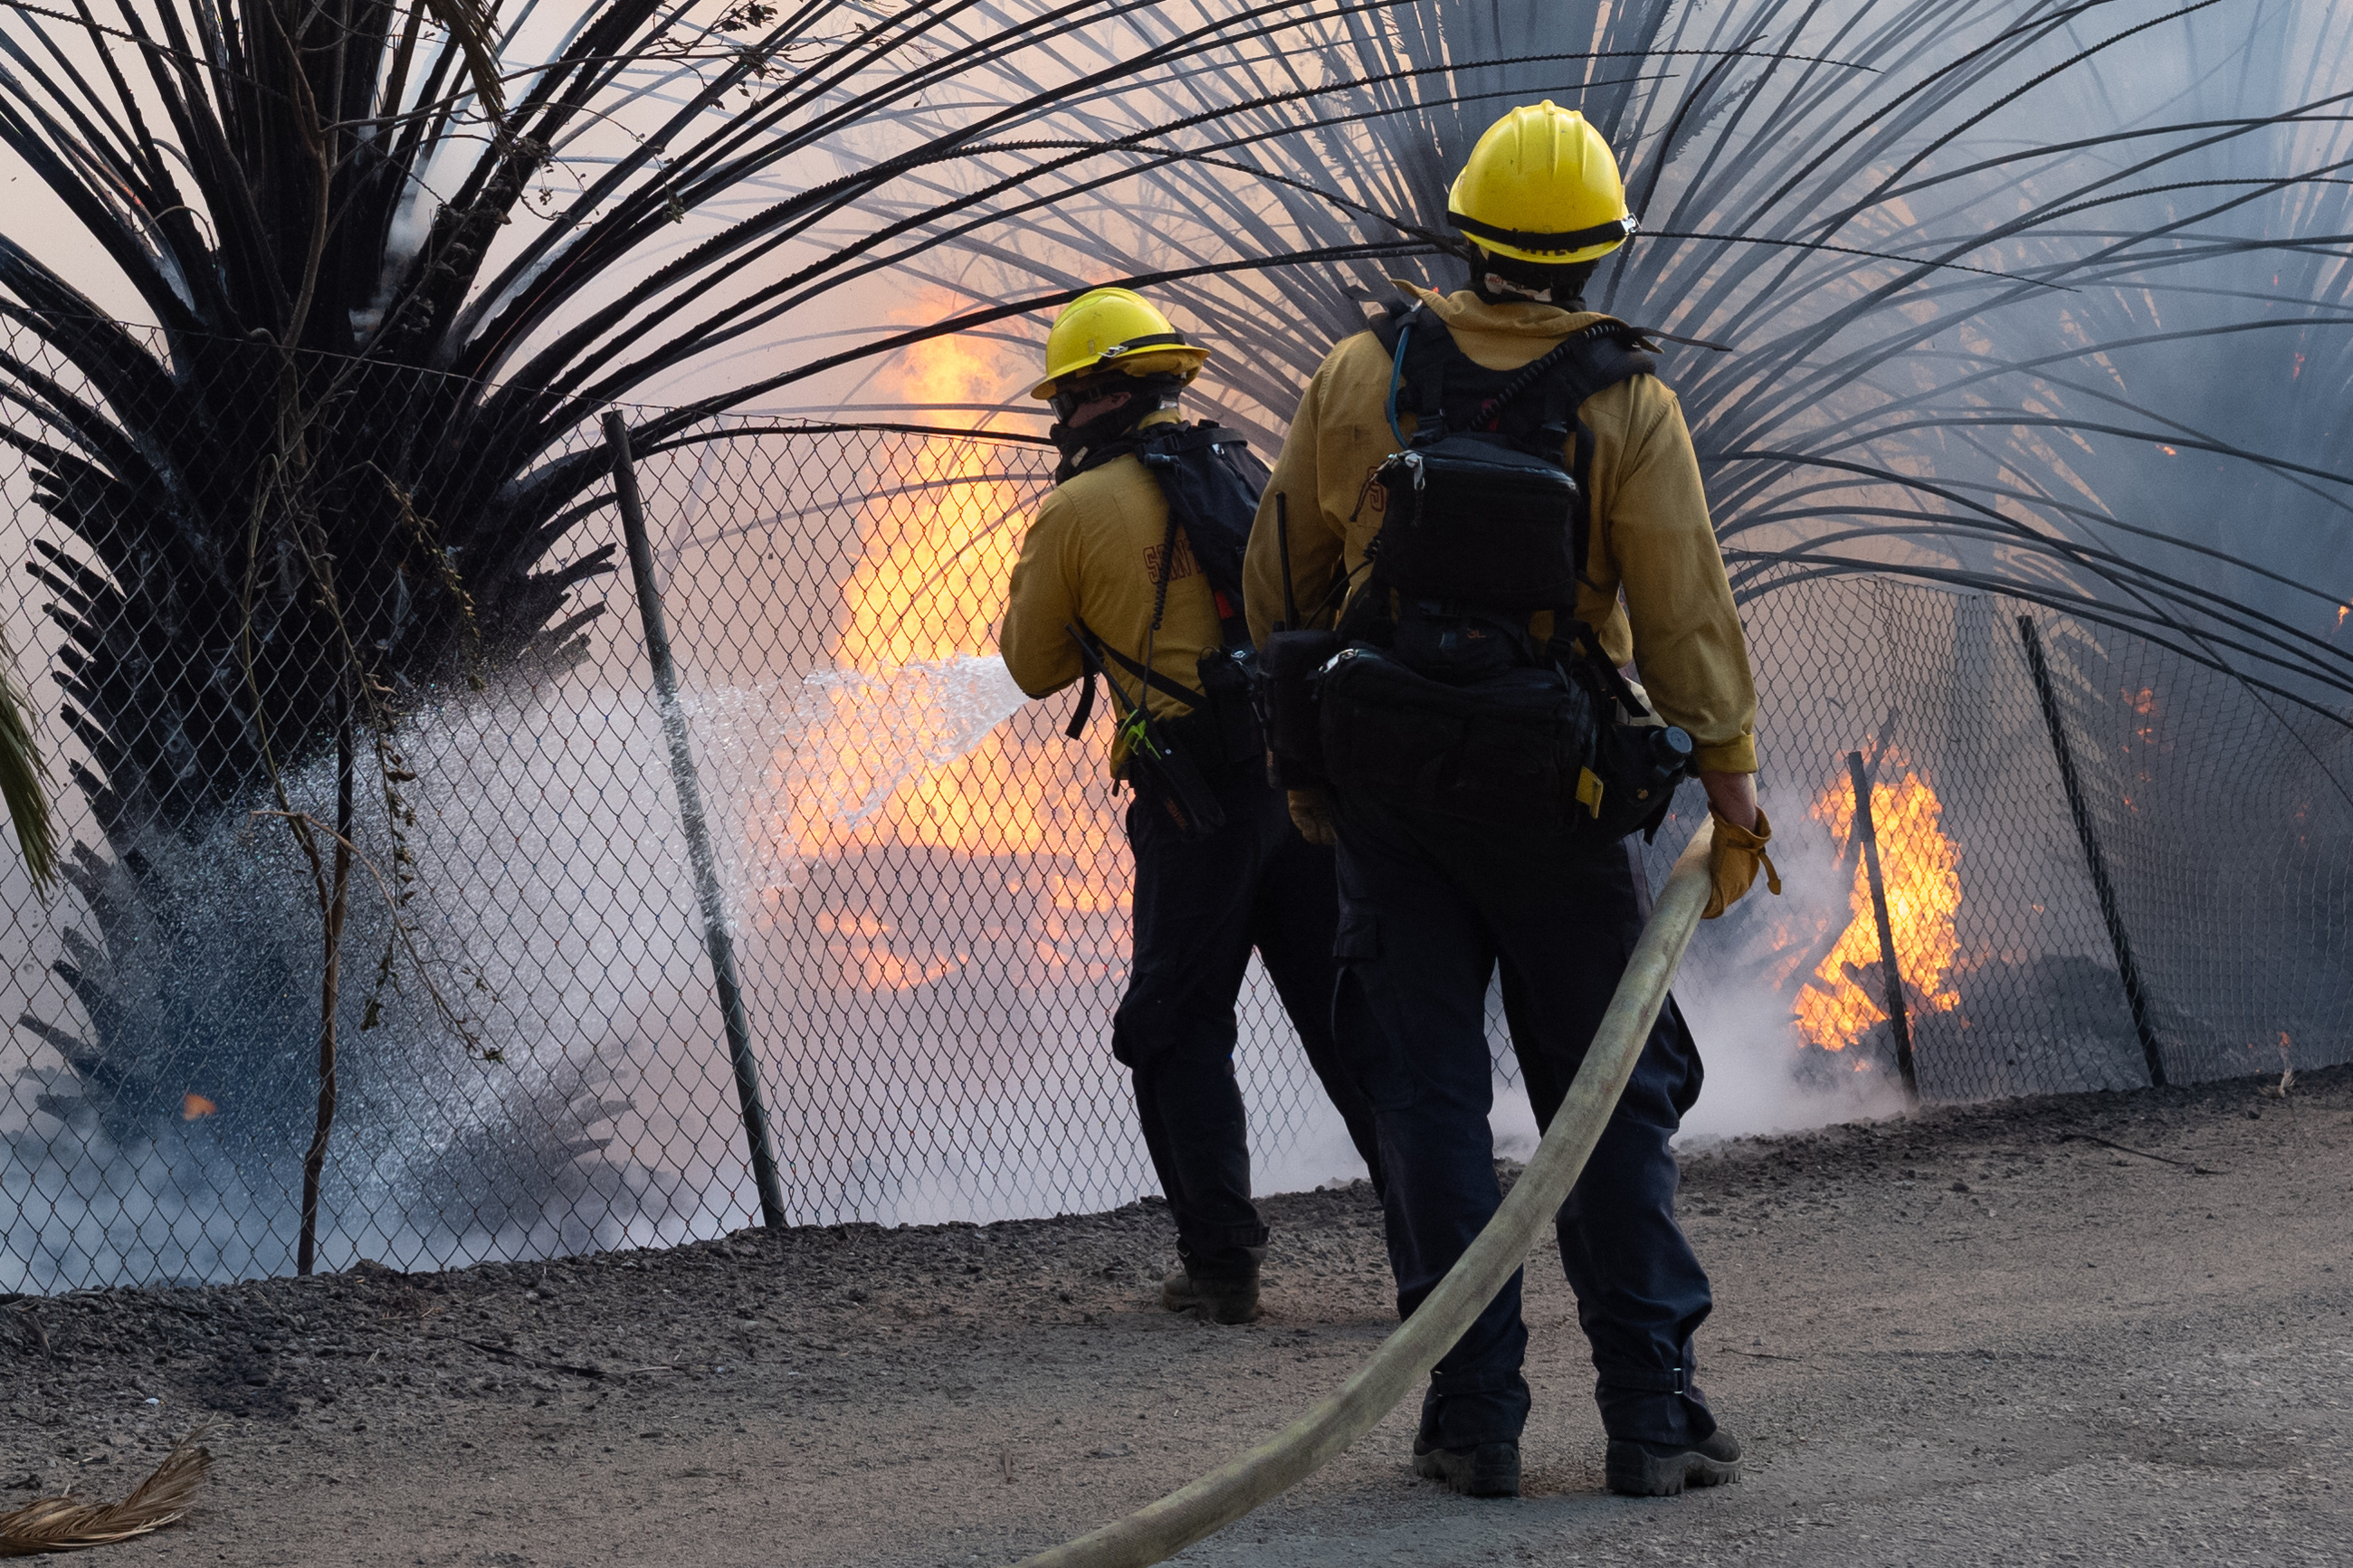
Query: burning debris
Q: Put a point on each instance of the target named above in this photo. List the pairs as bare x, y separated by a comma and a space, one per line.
1844, 996
938, 541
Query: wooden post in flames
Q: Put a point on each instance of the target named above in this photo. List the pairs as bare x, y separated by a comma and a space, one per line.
715, 937
1898, 1018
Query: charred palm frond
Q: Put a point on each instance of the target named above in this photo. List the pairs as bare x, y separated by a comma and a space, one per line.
2049, 298
392, 268
370, 288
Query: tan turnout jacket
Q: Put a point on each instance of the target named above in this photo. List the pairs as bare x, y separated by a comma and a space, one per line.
1092, 555
1651, 537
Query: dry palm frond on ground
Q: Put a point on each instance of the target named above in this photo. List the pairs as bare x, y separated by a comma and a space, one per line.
62, 1524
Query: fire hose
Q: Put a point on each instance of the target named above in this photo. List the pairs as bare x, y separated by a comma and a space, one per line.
1160, 1529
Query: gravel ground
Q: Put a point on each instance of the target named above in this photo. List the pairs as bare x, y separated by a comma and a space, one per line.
1982, 1335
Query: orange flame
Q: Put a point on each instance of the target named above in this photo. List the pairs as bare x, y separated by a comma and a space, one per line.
939, 538
196, 1107
1846, 996
867, 960
940, 534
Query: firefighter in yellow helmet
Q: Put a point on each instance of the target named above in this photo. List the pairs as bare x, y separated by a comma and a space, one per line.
1481, 756
1130, 579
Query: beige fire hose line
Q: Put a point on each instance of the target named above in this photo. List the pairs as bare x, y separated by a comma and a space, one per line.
1161, 1529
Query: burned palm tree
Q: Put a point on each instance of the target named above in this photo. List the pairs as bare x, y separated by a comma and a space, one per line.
2045, 300
1987, 271
340, 319
396, 255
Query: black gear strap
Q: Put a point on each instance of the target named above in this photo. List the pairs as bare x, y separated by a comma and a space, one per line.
1591, 360
1211, 482
1614, 231
1170, 437
1647, 1380
1093, 652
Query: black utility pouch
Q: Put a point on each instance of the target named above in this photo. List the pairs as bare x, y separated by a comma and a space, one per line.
1638, 765
1284, 690
1504, 752
1459, 649
1231, 725
1166, 780
1626, 780
1472, 518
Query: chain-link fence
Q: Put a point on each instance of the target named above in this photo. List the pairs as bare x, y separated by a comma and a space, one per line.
2216, 816
922, 884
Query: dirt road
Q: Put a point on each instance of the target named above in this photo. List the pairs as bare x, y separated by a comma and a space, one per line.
1982, 1335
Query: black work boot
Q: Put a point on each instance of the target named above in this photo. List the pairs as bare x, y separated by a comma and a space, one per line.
1662, 1469
1218, 1296
1490, 1469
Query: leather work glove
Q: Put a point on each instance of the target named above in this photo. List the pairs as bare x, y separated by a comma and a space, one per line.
1732, 861
1311, 812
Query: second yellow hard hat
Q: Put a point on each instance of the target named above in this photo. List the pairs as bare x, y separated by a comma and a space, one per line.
1115, 329
1542, 185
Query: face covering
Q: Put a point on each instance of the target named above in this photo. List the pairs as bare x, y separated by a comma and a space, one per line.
1559, 286
1150, 394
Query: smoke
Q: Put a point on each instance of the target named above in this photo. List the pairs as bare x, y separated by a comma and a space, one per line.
932, 1020
595, 1106
1738, 988
1761, 1076
847, 740
933, 1004
554, 915
839, 744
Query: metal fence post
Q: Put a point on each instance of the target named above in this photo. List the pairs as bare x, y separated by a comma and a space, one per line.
1899, 1018
2129, 971
698, 829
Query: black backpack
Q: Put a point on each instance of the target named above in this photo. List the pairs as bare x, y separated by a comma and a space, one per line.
1211, 483
1440, 698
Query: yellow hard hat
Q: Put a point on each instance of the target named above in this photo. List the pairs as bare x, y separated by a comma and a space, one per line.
1115, 329
1542, 185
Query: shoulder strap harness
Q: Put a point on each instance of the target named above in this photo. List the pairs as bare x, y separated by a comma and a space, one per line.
1590, 360
1161, 448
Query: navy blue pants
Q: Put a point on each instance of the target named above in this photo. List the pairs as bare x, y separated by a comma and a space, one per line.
1428, 909
1200, 908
